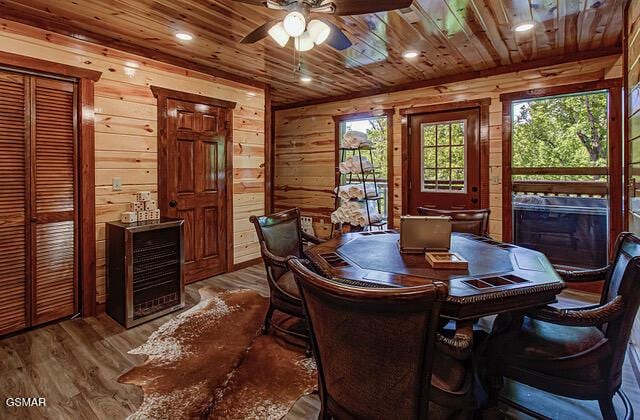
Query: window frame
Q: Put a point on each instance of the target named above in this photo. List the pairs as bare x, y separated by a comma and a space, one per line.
613, 87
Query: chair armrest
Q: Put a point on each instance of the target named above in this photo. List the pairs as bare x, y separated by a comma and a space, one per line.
581, 317
310, 238
584, 276
577, 308
272, 259
460, 345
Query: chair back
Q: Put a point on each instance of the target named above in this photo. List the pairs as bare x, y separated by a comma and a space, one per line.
281, 234
464, 221
623, 280
373, 347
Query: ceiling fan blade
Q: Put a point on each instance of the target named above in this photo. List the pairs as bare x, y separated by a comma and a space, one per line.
259, 33
271, 4
337, 39
360, 7
252, 2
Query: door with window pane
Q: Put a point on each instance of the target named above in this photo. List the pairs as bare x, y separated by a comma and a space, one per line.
444, 160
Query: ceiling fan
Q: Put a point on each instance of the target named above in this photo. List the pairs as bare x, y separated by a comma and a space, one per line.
307, 33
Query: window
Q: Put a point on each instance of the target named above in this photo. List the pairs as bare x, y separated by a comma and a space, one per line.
376, 128
560, 173
443, 151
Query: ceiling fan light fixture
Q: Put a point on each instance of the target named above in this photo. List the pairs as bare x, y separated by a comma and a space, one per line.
304, 42
295, 24
306, 79
278, 34
319, 31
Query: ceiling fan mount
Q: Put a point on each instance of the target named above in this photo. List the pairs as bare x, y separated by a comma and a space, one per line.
319, 6
307, 33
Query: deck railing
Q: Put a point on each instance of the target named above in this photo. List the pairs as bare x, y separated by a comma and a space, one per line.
597, 187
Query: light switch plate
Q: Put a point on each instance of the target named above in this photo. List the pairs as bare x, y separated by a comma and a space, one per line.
116, 184
307, 224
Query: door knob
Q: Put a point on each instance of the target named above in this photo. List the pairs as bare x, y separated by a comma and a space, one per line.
173, 204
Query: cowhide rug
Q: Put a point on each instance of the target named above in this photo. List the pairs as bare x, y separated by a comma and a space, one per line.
211, 362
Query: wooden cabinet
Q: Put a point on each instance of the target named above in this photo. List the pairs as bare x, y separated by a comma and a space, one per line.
38, 200
144, 270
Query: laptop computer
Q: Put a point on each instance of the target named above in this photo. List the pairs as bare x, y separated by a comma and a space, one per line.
424, 233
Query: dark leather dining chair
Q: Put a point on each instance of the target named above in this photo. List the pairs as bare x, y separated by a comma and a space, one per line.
577, 353
280, 236
464, 221
378, 353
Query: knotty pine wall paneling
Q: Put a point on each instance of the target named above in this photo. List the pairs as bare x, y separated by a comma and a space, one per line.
632, 130
305, 137
126, 128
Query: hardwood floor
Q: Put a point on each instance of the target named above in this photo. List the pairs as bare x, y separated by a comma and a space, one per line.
75, 364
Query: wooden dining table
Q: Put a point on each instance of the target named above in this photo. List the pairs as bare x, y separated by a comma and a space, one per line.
500, 277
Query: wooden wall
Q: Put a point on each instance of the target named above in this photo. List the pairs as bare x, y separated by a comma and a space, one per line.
305, 137
126, 129
632, 111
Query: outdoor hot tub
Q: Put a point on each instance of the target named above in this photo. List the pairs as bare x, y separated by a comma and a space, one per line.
570, 231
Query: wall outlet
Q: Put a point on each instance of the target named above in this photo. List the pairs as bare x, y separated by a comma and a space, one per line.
116, 184
307, 224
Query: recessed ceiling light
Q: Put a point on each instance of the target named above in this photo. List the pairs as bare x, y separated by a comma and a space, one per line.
184, 36
410, 54
306, 79
524, 27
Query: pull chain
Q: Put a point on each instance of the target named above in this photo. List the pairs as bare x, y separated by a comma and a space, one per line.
297, 60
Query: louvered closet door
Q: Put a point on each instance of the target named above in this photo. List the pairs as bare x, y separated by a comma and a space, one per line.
53, 203
38, 217
13, 212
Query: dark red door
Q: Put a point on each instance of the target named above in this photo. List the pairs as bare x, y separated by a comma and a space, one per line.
195, 184
444, 154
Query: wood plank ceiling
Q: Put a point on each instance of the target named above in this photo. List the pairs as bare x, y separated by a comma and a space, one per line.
452, 36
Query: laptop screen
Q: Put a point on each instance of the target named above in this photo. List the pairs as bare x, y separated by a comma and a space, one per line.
420, 233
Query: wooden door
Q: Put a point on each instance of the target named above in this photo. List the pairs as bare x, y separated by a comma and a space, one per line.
444, 154
194, 183
53, 200
38, 217
14, 225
